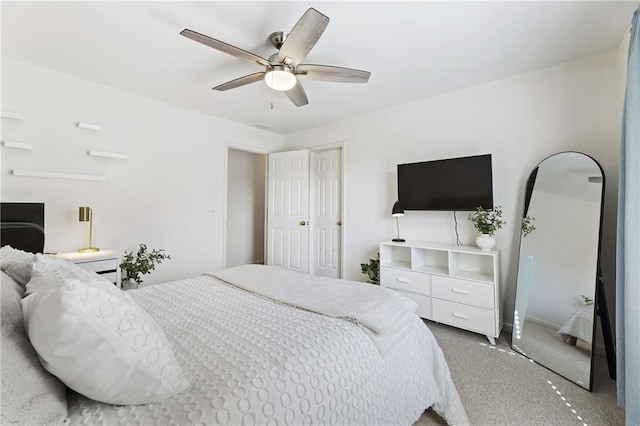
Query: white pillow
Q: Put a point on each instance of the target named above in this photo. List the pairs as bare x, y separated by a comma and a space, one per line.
16, 263
59, 270
97, 339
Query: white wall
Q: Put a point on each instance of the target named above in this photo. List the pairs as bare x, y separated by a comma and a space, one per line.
168, 194
245, 207
520, 120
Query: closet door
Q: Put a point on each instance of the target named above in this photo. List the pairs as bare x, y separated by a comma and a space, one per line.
327, 206
288, 210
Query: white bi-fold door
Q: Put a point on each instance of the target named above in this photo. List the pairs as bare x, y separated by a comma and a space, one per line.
304, 211
288, 210
326, 222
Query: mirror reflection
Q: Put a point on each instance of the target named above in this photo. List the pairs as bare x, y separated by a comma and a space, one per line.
554, 313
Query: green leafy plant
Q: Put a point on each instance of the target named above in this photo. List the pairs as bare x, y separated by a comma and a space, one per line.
133, 266
372, 270
487, 221
586, 299
527, 225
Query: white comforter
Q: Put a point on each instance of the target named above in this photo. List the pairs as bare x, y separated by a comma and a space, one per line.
580, 324
383, 312
253, 361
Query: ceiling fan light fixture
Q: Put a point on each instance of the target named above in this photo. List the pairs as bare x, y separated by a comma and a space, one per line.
280, 77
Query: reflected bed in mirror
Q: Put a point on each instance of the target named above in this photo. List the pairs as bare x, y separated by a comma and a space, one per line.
554, 312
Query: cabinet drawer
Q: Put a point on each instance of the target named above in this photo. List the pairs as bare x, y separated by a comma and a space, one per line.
109, 276
399, 279
424, 304
463, 316
100, 265
463, 291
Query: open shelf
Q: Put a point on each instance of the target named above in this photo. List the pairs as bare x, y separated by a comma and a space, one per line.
395, 257
431, 261
472, 266
467, 263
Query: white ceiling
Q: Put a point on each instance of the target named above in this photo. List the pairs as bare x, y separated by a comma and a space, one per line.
414, 50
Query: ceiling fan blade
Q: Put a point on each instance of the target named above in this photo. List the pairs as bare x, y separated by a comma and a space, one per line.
331, 73
303, 36
224, 47
242, 81
297, 95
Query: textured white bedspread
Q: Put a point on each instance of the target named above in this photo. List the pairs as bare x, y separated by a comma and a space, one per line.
580, 324
253, 361
383, 312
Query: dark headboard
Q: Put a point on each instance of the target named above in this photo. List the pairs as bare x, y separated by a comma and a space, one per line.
22, 226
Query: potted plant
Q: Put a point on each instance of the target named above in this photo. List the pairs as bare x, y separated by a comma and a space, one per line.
487, 222
372, 270
527, 225
133, 266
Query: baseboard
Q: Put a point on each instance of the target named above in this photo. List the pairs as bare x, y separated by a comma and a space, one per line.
543, 323
599, 351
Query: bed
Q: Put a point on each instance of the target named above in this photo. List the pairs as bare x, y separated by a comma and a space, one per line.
578, 326
252, 358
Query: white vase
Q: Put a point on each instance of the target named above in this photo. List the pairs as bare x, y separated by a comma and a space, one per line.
129, 285
486, 242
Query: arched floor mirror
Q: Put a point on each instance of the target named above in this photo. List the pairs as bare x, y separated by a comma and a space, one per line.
555, 308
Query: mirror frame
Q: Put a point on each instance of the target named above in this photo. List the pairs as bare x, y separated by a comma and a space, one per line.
529, 185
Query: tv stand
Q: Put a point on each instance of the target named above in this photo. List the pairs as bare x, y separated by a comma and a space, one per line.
454, 285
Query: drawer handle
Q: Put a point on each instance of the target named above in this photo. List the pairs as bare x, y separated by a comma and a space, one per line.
403, 280
455, 290
461, 316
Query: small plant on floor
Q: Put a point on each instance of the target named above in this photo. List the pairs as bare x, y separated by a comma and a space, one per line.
372, 270
487, 221
133, 266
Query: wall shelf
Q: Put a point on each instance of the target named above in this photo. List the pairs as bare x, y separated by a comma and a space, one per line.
88, 126
108, 155
12, 115
17, 145
56, 175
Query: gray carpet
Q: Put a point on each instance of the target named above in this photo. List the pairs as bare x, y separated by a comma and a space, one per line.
499, 387
545, 345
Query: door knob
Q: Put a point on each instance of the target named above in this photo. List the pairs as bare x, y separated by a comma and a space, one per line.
339, 223
303, 223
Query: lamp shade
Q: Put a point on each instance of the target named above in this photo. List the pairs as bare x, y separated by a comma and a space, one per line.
280, 78
397, 211
84, 214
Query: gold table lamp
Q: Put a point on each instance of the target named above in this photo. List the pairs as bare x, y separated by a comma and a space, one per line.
86, 215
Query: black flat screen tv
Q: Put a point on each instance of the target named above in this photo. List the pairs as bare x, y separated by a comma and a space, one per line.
462, 183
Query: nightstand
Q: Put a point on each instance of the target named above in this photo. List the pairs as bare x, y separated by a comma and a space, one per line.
104, 263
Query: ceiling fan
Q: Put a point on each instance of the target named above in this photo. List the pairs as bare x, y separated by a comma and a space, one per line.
283, 69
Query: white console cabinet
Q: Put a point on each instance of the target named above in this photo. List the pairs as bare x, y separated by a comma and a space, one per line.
104, 263
454, 285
